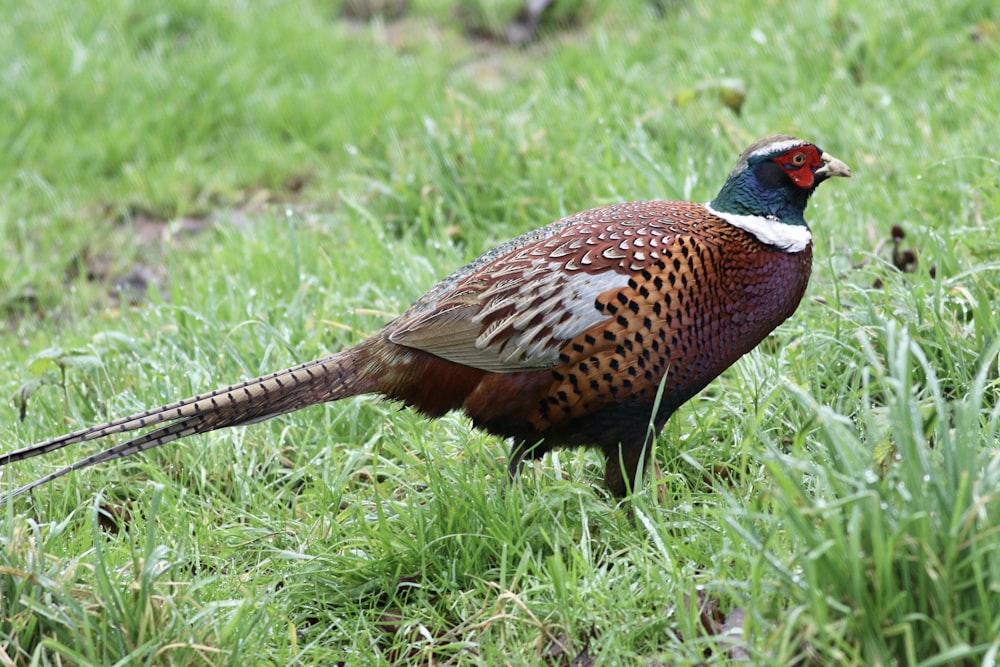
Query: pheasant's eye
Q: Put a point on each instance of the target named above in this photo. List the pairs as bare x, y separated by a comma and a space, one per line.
799, 159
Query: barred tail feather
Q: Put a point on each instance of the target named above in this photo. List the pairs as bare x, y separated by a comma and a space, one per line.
318, 381
160, 436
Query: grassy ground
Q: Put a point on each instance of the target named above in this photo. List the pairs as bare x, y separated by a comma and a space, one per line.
195, 193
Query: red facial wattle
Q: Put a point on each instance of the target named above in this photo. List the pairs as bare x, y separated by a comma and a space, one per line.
800, 163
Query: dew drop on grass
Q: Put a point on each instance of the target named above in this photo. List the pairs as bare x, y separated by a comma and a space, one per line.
871, 477
926, 478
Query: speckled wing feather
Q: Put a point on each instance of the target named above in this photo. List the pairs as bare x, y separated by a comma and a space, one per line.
656, 325
516, 308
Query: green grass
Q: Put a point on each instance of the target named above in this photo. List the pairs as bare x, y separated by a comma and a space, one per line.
840, 485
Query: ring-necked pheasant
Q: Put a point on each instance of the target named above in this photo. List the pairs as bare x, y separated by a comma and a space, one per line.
564, 335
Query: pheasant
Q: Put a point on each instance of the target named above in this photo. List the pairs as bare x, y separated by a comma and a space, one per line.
585, 332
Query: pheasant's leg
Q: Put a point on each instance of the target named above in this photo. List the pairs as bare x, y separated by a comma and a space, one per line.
519, 450
515, 462
661, 489
622, 472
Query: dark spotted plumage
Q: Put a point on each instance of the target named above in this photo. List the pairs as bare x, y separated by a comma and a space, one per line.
565, 335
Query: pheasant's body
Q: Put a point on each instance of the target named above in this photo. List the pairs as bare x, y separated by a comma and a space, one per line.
658, 286
563, 336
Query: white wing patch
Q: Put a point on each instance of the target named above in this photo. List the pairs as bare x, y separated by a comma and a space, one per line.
528, 318
552, 306
769, 230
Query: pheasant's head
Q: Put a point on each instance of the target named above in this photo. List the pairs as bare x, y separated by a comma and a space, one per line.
768, 189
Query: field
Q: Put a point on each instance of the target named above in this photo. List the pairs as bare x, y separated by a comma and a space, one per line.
195, 193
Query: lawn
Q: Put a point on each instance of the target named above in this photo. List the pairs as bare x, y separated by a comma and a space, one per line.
196, 193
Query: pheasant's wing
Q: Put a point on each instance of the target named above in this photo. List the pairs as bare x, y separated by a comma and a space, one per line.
516, 308
511, 324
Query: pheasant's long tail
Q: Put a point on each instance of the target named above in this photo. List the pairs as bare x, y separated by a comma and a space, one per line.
327, 379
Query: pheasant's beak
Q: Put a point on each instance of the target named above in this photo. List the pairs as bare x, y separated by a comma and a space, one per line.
831, 167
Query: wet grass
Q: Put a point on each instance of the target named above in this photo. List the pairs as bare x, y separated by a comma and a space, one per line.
274, 183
